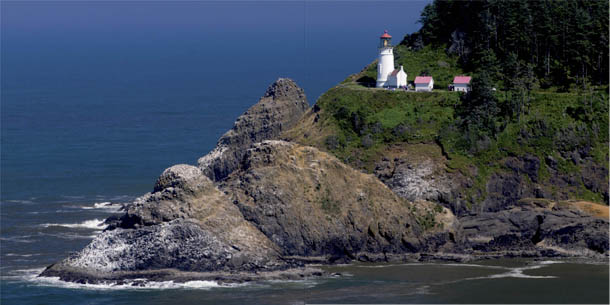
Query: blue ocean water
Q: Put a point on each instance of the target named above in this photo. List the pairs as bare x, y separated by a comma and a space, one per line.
97, 98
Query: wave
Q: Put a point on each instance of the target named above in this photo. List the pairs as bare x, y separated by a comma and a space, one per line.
18, 239
87, 224
294, 284
73, 236
549, 262
518, 272
19, 201
432, 264
20, 255
106, 205
31, 275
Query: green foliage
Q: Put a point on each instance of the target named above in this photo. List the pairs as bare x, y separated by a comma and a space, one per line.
382, 117
426, 221
548, 60
566, 42
328, 204
553, 125
476, 116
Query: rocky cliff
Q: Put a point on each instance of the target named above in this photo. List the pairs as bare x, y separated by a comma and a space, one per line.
514, 218
261, 208
279, 109
402, 138
284, 204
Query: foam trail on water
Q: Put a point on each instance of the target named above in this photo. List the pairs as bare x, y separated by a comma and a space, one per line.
87, 224
31, 275
106, 205
518, 272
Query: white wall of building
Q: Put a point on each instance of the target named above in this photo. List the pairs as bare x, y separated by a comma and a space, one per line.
425, 87
399, 80
385, 66
461, 87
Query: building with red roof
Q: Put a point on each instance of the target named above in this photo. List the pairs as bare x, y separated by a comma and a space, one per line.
461, 83
424, 83
398, 78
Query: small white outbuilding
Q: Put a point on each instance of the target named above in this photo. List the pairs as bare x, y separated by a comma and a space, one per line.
424, 83
461, 83
398, 78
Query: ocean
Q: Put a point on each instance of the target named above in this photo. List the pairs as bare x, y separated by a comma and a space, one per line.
99, 97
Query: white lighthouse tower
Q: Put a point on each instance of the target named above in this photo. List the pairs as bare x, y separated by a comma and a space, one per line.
385, 65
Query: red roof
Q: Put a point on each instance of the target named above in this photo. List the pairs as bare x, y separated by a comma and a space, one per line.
462, 79
385, 34
423, 79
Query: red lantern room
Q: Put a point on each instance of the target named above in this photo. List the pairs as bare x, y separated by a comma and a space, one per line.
385, 40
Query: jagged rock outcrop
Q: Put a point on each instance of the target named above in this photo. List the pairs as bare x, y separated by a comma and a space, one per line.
284, 204
423, 175
537, 227
505, 222
185, 224
279, 109
311, 204
414, 181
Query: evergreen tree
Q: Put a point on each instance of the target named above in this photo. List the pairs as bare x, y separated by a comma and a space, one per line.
566, 42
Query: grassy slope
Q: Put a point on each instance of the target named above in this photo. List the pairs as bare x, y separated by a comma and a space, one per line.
442, 67
361, 125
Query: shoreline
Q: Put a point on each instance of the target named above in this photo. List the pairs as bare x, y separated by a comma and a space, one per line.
314, 268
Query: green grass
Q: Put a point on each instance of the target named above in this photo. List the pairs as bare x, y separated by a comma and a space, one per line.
386, 117
364, 121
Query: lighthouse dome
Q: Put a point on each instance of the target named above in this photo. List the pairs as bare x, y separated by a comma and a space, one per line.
385, 35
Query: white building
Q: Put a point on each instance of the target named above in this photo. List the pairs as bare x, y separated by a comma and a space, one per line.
398, 78
424, 83
385, 65
461, 83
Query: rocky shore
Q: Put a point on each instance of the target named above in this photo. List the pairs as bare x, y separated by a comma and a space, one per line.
258, 207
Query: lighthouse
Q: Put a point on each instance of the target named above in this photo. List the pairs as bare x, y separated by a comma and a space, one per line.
385, 65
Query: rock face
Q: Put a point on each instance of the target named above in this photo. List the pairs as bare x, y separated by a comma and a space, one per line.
279, 109
310, 204
284, 204
186, 224
414, 181
504, 223
538, 228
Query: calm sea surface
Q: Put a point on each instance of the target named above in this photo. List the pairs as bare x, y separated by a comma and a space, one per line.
99, 97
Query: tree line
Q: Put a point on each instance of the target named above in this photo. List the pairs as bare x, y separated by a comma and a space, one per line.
547, 43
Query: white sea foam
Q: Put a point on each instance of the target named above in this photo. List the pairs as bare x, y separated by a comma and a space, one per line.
18, 239
298, 284
425, 289
31, 275
432, 264
472, 265
87, 224
20, 255
20, 201
549, 262
72, 197
518, 272
72, 236
106, 205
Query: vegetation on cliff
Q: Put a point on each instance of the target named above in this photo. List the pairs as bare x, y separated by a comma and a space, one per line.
550, 105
